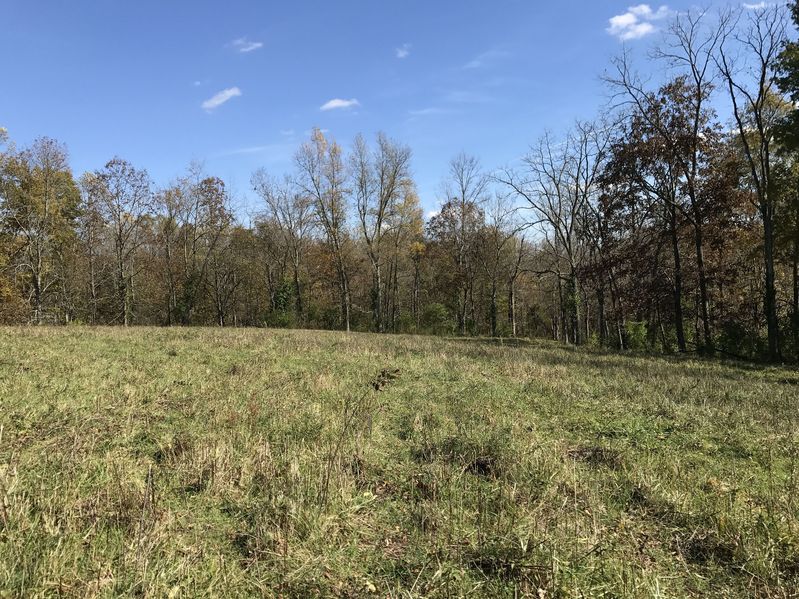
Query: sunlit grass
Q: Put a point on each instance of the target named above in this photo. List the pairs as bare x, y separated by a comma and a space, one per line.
186, 462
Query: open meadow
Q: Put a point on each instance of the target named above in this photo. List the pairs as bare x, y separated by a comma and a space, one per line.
237, 462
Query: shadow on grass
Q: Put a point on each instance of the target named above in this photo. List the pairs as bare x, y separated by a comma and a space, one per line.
555, 353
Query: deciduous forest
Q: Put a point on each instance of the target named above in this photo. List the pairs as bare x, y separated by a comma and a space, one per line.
668, 223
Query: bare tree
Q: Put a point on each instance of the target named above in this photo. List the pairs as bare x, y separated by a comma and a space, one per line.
747, 61
556, 182
91, 230
322, 178
204, 216
465, 189
292, 212
378, 177
498, 237
123, 196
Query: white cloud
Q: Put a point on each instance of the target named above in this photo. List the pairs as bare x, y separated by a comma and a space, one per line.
637, 22
432, 214
403, 51
198, 83
220, 98
337, 103
244, 45
758, 6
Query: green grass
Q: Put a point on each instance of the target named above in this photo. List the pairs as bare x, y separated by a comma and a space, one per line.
207, 462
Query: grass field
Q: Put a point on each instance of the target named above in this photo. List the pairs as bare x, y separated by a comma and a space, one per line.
205, 462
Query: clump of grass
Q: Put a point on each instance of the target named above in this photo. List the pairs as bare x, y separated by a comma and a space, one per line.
301, 463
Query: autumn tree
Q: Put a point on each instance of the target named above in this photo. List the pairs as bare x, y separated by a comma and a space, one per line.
39, 210
321, 176
378, 176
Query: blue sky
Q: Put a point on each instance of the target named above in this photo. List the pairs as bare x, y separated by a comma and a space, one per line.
239, 85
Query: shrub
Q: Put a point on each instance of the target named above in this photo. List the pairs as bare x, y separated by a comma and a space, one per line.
437, 319
736, 339
636, 333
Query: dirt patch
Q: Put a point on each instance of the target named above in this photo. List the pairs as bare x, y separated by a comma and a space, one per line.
703, 547
483, 466
385, 378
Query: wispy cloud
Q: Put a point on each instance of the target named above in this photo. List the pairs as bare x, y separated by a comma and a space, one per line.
427, 111
220, 98
244, 45
338, 103
403, 51
637, 22
247, 150
486, 59
269, 152
758, 6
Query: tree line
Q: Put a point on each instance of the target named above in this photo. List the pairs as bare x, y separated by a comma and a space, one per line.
659, 225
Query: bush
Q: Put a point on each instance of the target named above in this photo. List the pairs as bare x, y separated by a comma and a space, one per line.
437, 319
405, 323
736, 339
280, 319
636, 334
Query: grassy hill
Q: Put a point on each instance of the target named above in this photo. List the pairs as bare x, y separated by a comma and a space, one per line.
191, 462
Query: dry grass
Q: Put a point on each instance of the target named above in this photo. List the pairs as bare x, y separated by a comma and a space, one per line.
205, 462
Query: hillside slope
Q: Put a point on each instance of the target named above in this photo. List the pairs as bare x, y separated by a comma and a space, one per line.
191, 462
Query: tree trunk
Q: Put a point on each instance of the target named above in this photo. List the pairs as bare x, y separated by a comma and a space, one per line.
562, 334
377, 297
93, 286
677, 290
600, 304
795, 304
767, 212
703, 297
574, 306
298, 305
37, 298
394, 296
512, 307
344, 284
618, 310
416, 283
493, 308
